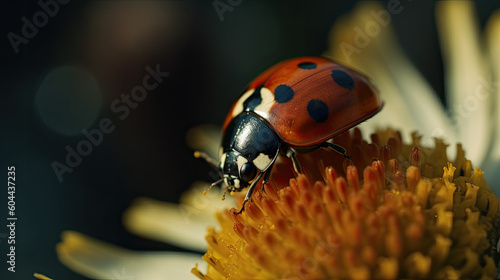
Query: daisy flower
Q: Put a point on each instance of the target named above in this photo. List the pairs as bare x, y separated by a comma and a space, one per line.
409, 213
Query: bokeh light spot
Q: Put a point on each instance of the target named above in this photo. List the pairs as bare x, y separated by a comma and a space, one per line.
68, 100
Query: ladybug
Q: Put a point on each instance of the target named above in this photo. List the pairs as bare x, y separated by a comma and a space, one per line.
293, 107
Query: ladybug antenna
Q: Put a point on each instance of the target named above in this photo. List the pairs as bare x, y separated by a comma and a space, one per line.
213, 184
224, 195
205, 156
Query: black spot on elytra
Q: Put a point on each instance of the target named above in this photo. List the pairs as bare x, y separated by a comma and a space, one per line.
253, 100
307, 65
283, 94
317, 110
343, 79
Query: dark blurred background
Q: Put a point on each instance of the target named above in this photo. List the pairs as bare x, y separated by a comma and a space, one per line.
67, 76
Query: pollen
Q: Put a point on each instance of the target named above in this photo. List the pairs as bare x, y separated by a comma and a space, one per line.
391, 211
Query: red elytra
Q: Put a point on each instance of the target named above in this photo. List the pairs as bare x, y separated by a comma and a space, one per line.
348, 96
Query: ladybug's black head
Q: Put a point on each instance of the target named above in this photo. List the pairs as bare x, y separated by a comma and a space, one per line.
237, 171
249, 147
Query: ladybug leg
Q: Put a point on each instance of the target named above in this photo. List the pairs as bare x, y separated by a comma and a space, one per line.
339, 149
267, 176
248, 196
292, 154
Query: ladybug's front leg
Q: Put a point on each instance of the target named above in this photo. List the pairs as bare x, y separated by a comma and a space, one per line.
248, 196
267, 176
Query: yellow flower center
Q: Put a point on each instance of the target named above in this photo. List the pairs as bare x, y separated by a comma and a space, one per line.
402, 217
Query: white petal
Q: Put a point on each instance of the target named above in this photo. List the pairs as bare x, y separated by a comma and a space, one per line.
410, 102
167, 222
492, 166
465, 72
183, 224
493, 40
99, 260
